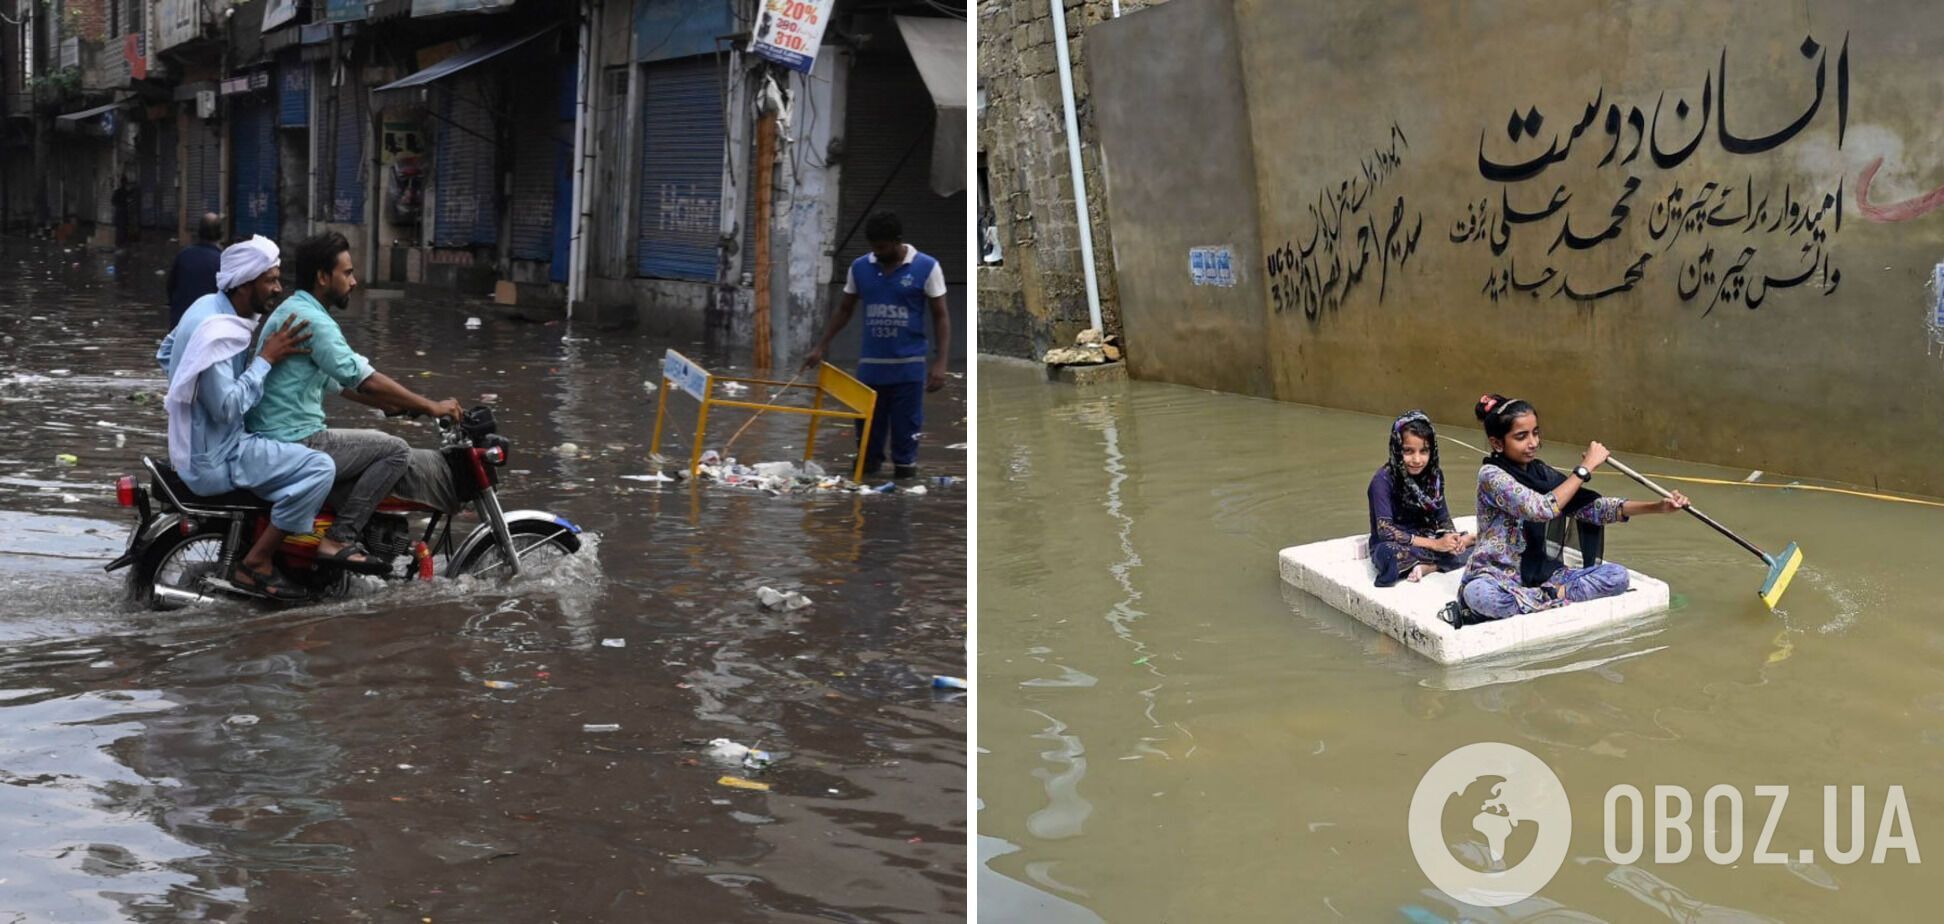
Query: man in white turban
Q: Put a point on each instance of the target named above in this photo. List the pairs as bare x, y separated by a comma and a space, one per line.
243, 270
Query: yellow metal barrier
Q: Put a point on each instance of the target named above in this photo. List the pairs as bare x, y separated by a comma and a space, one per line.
854, 400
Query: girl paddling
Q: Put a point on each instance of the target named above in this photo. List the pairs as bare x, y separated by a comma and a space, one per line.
1411, 533
1516, 568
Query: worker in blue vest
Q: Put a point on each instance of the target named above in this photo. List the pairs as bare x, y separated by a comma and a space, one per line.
899, 287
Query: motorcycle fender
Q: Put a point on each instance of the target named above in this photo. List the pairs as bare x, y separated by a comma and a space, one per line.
483, 533
144, 536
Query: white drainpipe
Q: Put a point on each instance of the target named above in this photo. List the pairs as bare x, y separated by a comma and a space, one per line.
1073, 157
577, 240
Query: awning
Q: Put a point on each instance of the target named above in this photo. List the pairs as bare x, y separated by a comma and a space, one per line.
938, 48
440, 7
73, 121
417, 83
86, 113
278, 12
385, 10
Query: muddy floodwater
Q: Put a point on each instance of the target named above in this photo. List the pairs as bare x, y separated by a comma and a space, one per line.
1166, 733
349, 762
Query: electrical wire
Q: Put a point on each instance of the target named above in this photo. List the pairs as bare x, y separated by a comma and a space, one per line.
957, 14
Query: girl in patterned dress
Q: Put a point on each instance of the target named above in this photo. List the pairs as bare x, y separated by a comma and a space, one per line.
1515, 569
1411, 533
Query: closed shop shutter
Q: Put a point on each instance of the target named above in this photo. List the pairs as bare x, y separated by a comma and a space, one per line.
681, 170
463, 169
293, 93
347, 151
886, 111
159, 177
539, 146
253, 167
203, 174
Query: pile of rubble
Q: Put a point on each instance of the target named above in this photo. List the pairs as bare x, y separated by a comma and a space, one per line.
1089, 349
780, 478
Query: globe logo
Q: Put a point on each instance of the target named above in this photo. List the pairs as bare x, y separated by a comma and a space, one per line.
1490, 824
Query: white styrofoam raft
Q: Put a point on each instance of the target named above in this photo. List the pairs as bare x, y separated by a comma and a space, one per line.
1340, 573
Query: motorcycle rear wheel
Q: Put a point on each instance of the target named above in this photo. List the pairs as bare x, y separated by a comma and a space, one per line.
177, 562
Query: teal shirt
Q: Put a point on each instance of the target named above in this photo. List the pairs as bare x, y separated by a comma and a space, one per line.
293, 395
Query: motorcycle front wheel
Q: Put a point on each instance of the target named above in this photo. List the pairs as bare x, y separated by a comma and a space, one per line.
538, 545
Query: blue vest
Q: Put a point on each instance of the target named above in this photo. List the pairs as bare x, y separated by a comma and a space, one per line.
895, 346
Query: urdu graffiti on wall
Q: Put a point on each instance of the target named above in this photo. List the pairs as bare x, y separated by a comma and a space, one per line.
1345, 238
1782, 236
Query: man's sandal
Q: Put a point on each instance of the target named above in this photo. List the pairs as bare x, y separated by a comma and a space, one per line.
265, 584
342, 558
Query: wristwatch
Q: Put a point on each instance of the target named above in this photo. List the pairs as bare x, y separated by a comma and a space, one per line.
1580, 472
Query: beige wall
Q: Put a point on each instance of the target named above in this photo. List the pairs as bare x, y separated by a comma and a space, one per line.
1838, 376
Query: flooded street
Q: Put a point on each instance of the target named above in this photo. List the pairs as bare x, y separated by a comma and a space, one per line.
348, 761
1166, 730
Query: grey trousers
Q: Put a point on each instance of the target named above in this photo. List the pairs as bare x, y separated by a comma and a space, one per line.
428, 480
374, 459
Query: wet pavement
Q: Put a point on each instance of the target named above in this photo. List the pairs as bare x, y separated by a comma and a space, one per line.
1165, 731
348, 762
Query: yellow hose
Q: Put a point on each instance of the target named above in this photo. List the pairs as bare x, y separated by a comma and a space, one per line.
1801, 487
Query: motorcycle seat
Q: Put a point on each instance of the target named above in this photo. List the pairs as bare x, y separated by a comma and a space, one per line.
172, 486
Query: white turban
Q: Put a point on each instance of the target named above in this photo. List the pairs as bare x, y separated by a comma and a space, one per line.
244, 261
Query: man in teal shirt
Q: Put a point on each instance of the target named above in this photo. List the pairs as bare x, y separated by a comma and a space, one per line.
292, 408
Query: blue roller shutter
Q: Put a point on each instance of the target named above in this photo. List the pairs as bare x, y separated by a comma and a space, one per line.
253, 167
538, 148
348, 153
681, 169
293, 93
462, 170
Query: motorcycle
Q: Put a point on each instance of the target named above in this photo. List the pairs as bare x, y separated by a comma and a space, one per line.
184, 546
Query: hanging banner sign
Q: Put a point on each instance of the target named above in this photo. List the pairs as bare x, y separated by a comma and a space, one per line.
789, 31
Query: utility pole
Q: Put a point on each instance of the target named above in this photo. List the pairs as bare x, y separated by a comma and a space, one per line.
762, 184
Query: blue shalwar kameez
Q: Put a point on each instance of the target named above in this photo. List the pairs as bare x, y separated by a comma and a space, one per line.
224, 456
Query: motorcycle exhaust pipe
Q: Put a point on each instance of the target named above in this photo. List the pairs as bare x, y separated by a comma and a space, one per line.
178, 595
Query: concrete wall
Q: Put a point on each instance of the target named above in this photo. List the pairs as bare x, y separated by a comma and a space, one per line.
1038, 298
1739, 282
1196, 168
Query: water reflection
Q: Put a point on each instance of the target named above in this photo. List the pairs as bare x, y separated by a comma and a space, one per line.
1142, 522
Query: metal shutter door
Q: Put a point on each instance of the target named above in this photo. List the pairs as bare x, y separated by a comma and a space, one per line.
347, 154
462, 170
537, 152
886, 108
204, 171
293, 93
253, 167
681, 170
